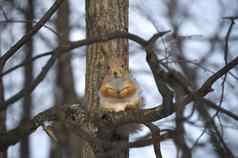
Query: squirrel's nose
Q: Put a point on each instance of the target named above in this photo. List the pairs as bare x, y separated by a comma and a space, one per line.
118, 92
115, 74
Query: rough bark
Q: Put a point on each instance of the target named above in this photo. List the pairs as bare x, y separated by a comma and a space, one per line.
103, 17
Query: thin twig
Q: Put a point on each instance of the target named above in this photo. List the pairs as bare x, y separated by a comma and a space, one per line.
32, 86
3, 12
9, 53
226, 51
157, 71
141, 116
27, 61
64, 48
27, 21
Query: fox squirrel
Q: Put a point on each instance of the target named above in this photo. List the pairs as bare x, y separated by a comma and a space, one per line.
119, 92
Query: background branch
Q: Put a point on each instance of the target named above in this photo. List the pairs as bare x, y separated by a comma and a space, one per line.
9, 53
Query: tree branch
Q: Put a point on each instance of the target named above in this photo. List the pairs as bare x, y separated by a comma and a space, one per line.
29, 35
156, 144
63, 49
32, 86
79, 116
26, 128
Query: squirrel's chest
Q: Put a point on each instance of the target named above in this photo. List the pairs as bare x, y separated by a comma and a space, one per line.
116, 105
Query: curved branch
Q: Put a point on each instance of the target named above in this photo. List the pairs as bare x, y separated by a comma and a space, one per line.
33, 84
116, 119
26, 128
65, 48
153, 128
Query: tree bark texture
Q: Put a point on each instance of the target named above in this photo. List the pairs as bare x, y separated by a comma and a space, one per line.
102, 17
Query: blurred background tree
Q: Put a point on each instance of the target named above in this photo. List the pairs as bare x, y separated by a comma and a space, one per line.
196, 48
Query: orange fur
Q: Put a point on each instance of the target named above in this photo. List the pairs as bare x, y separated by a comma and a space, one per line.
118, 91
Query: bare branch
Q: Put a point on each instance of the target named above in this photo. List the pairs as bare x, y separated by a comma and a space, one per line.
220, 109
3, 12
26, 21
15, 135
72, 45
116, 119
145, 142
9, 53
156, 144
226, 51
228, 34
157, 71
63, 49
27, 61
206, 87
33, 85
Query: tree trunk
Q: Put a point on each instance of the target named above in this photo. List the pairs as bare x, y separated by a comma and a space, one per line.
28, 76
3, 154
65, 87
103, 16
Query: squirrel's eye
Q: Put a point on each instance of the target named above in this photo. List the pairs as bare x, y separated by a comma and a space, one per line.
127, 91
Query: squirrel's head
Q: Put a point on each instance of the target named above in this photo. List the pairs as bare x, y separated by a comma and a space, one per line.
118, 68
117, 82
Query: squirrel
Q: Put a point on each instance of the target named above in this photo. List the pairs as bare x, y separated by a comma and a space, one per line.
120, 92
